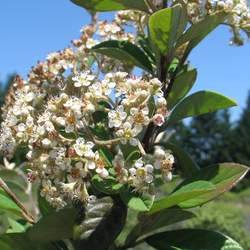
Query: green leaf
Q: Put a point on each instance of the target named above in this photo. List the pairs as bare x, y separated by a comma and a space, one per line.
55, 226
223, 176
192, 239
199, 103
7, 205
20, 241
18, 190
138, 202
184, 161
103, 220
134, 155
108, 185
44, 207
111, 5
165, 26
184, 193
15, 227
197, 32
106, 156
4, 223
182, 85
12, 176
125, 52
149, 223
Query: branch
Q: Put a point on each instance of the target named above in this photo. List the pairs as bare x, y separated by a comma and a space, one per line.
25, 212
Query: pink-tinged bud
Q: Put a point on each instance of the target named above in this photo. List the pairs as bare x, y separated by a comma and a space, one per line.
31, 177
158, 120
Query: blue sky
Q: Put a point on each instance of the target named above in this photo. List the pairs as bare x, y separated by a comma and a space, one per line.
29, 30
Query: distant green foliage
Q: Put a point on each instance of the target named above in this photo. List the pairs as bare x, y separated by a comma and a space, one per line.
227, 217
214, 137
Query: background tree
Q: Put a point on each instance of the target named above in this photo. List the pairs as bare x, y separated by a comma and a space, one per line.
206, 138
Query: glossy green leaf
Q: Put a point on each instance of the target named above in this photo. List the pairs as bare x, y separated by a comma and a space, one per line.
182, 85
149, 223
197, 32
192, 239
223, 176
20, 241
165, 26
7, 205
55, 226
184, 161
108, 185
111, 5
138, 202
125, 52
199, 103
184, 193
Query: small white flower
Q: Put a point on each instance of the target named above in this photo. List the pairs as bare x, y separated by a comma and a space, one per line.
83, 148
116, 117
83, 79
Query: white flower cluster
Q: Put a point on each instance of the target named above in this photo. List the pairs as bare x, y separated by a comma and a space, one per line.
66, 112
238, 14
60, 131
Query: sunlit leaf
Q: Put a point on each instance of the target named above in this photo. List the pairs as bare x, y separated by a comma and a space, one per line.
184, 193
110, 5
138, 202
223, 176
199, 103
165, 26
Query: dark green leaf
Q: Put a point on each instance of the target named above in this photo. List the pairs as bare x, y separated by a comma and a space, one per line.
20, 241
135, 155
125, 52
110, 5
184, 193
106, 156
182, 85
108, 185
199, 103
138, 202
165, 26
55, 226
184, 160
149, 223
223, 176
192, 239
